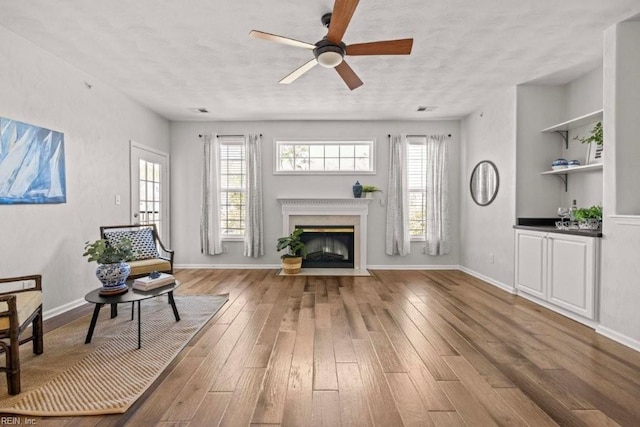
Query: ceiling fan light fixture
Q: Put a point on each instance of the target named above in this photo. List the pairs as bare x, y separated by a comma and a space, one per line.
328, 55
330, 59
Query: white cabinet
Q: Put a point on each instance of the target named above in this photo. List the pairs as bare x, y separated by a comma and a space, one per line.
559, 269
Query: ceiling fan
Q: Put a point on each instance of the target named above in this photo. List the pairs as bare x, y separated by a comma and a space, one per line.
330, 51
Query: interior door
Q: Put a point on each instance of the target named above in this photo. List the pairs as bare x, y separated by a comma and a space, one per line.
150, 188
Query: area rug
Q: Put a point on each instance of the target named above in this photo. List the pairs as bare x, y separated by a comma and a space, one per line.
108, 375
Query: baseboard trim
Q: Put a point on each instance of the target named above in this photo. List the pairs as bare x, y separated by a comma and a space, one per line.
413, 267
227, 266
618, 337
63, 309
489, 280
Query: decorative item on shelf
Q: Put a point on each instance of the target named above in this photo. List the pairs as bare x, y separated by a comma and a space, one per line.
559, 164
368, 190
112, 270
357, 190
596, 144
573, 163
582, 219
292, 262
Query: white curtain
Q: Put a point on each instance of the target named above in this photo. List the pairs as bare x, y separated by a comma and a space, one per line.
253, 240
437, 234
397, 231
210, 237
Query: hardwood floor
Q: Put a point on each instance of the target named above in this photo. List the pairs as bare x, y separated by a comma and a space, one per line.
414, 348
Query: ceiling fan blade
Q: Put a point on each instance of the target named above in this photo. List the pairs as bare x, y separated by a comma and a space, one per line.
386, 47
340, 18
348, 75
299, 72
279, 39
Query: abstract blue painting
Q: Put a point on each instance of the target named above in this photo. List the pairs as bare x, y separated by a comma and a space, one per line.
31, 164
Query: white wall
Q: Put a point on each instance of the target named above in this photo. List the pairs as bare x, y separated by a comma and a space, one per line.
620, 293
490, 134
186, 156
97, 123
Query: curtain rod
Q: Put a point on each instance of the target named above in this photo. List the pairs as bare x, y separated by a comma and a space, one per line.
389, 135
201, 135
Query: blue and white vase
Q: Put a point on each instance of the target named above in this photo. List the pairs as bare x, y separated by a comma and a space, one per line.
113, 277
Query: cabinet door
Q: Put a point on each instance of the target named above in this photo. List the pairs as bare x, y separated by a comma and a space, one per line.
571, 279
531, 262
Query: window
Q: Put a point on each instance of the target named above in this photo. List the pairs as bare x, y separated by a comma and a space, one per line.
324, 157
232, 187
149, 196
416, 183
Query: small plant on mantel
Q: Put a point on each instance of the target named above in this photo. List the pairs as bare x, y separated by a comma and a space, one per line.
596, 136
370, 189
292, 261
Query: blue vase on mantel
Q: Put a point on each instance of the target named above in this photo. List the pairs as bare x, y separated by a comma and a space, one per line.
357, 190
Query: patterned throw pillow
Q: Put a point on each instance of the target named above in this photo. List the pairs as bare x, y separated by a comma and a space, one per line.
141, 240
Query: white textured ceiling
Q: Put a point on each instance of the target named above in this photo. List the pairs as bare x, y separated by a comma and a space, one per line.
173, 55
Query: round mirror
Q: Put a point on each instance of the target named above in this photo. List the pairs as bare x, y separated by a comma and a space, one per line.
484, 183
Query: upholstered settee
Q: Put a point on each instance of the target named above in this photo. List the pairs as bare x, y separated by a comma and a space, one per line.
151, 254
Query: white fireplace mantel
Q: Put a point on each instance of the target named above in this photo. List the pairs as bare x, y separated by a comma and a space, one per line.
354, 209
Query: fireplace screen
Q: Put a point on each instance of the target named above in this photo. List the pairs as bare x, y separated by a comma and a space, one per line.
328, 246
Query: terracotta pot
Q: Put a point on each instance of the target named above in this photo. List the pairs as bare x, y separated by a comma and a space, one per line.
291, 265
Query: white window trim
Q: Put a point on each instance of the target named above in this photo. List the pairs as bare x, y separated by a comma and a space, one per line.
276, 159
231, 141
418, 141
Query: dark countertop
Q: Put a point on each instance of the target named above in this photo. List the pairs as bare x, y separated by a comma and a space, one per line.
548, 225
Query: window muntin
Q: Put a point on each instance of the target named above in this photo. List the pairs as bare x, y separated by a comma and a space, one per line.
150, 201
417, 186
233, 187
324, 157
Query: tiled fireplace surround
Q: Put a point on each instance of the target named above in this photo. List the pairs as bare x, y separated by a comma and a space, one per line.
350, 212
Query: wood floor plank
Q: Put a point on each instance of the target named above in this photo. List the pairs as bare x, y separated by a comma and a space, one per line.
410, 407
270, 406
594, 418
353, 405
471, 411
375, 385
386, 353
243, 400
497, 407
326, 408
324, 363
212, 409
298, 408
341, 333
428, 388
231, 371
446, 419
189, 398
354, 317
527, 409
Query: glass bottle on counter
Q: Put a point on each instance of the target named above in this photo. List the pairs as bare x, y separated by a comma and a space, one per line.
572, 211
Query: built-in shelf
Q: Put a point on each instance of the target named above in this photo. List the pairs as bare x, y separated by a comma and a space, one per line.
585, 168
562, 173
596, 116
563, 128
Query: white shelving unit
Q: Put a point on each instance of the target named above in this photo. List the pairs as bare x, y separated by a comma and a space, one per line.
576, 169
563, 129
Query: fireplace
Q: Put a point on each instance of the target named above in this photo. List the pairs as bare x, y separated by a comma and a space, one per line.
328, 246
335, 212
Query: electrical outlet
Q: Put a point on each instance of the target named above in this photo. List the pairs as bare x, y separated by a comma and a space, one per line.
117, 199
225, 250
490, 258
424, 249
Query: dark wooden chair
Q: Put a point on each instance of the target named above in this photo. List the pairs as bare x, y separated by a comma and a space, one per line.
151, 254
19, 309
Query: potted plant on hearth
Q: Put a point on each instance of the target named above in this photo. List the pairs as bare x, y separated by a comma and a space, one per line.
368, 191
113, 269
292, 261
